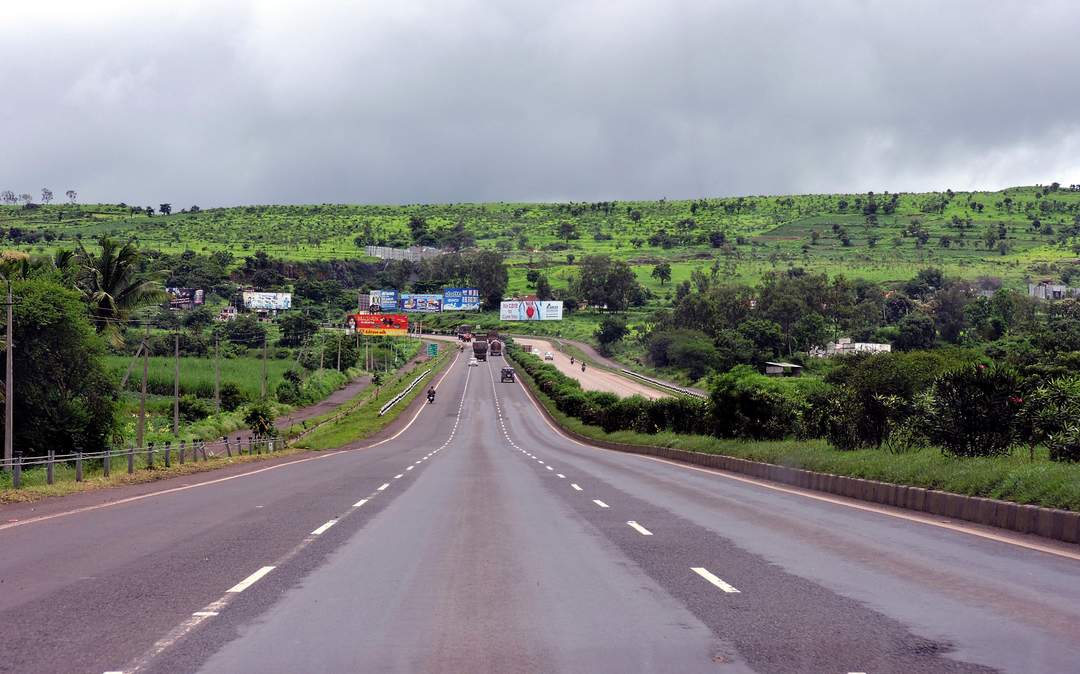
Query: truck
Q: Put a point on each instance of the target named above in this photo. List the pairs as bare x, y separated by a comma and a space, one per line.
480, 349
464, 333
495, 347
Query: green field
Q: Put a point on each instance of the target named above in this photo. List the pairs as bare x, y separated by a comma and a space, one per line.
762, 233
197, 374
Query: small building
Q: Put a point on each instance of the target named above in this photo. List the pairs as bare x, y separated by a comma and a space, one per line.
1048, 290
783, 369
845, 346
228, 313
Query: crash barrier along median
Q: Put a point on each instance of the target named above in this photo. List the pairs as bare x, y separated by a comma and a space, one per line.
396, 399
663, 385
1061, 525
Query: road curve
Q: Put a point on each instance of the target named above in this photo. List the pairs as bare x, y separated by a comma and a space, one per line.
480, 539
592, 379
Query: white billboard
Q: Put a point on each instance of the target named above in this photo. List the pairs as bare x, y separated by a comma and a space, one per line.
547, 310
267, 301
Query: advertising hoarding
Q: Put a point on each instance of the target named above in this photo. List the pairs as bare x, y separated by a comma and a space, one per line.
185, 298
378, 324
461, 299
267, 301
545, 310
383, 300
414, 302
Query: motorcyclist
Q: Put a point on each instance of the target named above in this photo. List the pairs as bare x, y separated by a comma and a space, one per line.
571, 360
582, 366
431, 394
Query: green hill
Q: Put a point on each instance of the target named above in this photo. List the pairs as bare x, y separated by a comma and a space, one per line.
1011, 234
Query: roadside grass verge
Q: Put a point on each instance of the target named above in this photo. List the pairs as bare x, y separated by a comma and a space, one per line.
1014, 477
362, 417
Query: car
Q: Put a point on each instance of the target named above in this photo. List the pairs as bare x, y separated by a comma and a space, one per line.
549, 356
473, 362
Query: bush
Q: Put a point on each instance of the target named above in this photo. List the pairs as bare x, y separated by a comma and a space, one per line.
260, 418
1049, 415
232, 396
974, 410
746, 404
194, 409
1065, 444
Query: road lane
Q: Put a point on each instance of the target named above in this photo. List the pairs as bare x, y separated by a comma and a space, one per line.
979, 601
593, 378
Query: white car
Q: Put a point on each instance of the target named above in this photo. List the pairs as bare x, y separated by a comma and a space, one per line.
473, 362
549, 356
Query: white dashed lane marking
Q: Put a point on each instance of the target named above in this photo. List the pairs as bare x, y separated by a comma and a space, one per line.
600, 503
250, 580
576, 488
638, 528
704, 573
323, 528
359, 503
385, 485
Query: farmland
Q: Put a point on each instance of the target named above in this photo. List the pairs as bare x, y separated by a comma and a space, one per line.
884, 237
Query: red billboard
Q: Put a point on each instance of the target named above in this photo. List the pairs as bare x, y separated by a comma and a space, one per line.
379, 324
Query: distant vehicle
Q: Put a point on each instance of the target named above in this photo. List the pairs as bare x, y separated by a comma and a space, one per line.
480, 349
495, 347
464, 333
549, 356
473, 362
527, 348
431, 395
507, 374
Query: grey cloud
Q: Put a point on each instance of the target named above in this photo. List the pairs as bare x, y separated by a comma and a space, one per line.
468, 101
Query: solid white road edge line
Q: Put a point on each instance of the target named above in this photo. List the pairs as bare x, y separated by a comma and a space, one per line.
638, 528
323, 528
250, 580
704, 573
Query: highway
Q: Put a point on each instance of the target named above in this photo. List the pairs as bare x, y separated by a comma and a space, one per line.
471, 536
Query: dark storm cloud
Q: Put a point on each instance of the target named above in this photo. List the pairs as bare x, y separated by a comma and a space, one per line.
466, 101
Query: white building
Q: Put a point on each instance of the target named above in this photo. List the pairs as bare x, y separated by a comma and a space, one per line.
844, 346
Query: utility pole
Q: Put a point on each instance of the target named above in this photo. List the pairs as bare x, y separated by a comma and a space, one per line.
338, 352
176, 385
141, 430
264, 367
9, 375
217, 377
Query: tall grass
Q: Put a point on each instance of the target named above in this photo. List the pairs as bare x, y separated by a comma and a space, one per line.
197, 374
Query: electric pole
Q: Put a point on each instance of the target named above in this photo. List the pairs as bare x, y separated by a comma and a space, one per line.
217, 377
264, 367
176, 385
141, 429
9, 375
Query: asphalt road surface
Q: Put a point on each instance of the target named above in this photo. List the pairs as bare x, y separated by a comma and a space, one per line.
472, 537
592, 379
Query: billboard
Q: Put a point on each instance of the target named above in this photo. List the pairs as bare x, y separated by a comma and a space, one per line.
185, 298
267, 301
461, 299
383, 300
539, 310
378, 324
428, 304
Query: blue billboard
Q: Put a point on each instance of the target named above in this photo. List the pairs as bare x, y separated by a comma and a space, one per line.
461, 299
383, 300
427, 304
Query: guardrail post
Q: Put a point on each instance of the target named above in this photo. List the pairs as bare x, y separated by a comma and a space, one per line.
106, 466
168, 453
16, 471
180, 450
258, 445
202, 446
240, 445
251, 444
78, 466
131, 459
228, 449
49, 469
150, 455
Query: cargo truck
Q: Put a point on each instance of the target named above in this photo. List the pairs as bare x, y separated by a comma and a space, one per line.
495, 346
480, 349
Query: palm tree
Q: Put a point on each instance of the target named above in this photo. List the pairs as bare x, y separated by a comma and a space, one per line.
112, 285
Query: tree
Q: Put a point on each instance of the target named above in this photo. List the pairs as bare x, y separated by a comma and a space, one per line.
46, 195
487, 273
567, 231
604, 282
611, 330
149, 210
66, 396
915, 331
662, 271
8, 197
457, 237
543, 288
72, 195
165, 209
296, 328
112, 285
810, 331
26, 198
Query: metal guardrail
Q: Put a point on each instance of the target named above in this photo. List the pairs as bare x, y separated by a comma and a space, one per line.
663, 385
396, 399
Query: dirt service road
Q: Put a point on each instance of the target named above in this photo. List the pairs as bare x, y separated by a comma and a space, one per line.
592, 379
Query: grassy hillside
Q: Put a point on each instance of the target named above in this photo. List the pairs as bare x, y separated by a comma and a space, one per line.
880, 237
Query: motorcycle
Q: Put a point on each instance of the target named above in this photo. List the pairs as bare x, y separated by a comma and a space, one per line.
583, 367
571, 360
430, 397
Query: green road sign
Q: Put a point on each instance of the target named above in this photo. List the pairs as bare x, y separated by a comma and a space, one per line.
432, 350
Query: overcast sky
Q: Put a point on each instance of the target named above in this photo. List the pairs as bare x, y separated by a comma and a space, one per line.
220, 103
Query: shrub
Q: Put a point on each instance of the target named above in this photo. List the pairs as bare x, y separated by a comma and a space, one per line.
260, 418
1065, 444
747, 404
232, 396
194, 409
1049, 415
974, 410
